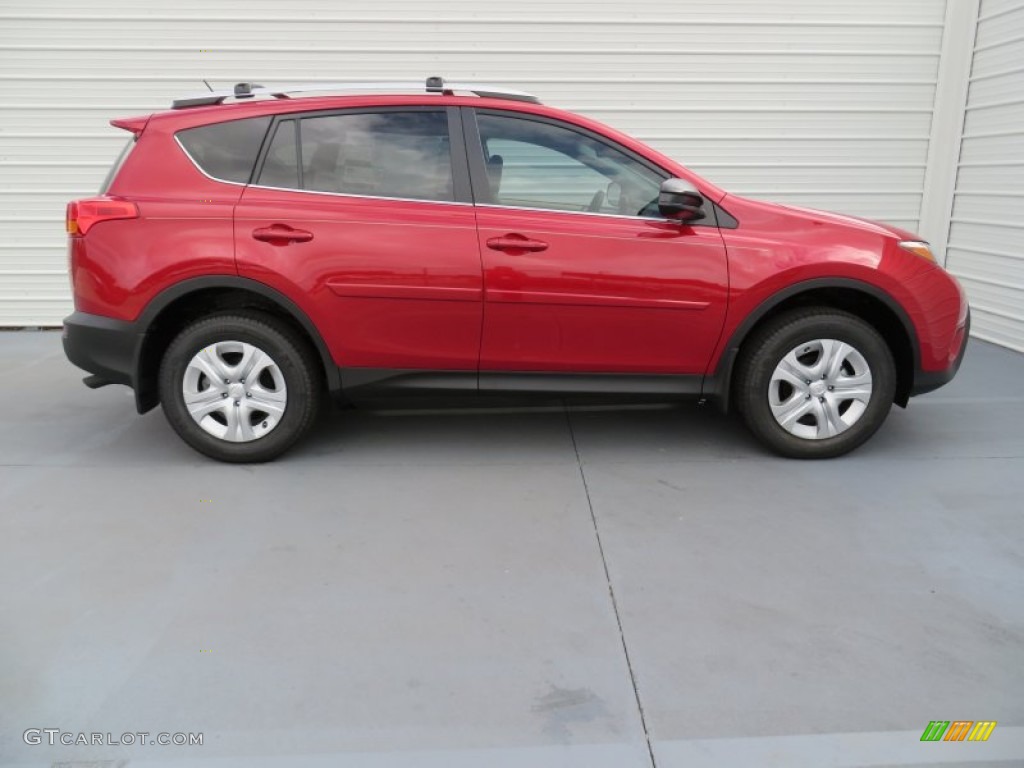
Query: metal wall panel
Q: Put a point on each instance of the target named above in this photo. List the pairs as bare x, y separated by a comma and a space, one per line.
824, 104
986, 234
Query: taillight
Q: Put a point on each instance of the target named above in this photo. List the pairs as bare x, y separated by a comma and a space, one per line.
84, 214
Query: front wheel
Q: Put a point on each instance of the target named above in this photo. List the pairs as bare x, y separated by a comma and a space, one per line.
239, 386
815, 383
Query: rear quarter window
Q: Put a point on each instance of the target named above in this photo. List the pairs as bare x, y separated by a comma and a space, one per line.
226, 151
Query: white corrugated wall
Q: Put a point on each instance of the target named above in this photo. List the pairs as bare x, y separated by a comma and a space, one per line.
986, 235
826, 104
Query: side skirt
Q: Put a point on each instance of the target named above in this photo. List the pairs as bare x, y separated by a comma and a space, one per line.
395, 388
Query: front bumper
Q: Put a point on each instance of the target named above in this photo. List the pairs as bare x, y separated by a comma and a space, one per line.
928, 381
107, 348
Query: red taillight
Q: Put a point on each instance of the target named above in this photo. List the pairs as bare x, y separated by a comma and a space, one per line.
84, 214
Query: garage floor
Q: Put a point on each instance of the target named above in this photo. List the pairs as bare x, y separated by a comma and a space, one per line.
595, 588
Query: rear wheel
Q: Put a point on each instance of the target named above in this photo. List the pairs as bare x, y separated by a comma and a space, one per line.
815, 383
240, 386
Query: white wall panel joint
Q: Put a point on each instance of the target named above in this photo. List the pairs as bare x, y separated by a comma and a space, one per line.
948, 122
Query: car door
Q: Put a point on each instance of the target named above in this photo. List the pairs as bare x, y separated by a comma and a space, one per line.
581, 274
363, 218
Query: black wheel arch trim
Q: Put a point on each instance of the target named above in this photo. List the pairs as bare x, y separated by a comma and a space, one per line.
717, 386
146, 400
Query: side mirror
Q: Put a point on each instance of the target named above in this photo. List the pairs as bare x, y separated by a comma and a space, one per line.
679, 200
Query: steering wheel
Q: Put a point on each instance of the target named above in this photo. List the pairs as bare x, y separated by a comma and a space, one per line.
596, 201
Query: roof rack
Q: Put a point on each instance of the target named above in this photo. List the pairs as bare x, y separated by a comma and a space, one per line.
433, 85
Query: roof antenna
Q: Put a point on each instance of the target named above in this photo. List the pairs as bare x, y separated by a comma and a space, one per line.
207, 84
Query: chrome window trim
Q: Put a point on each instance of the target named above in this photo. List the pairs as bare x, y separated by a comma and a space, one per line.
416, 199
410, 199
579, 213
361, 197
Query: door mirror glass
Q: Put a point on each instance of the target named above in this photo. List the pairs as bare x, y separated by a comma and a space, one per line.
680, 200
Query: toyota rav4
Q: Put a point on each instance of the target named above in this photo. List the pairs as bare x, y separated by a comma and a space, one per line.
253, 251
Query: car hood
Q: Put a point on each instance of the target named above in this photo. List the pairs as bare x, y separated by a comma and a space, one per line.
856, 222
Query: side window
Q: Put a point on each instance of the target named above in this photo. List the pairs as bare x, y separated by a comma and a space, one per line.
384, 154
281, 164
531, 164
226, 151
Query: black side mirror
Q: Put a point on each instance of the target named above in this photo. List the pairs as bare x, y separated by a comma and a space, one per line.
679, 200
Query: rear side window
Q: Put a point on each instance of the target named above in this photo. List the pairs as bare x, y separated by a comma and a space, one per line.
371, 154
226, 151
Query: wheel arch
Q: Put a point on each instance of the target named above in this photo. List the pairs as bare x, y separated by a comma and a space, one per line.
169, 311
867, 301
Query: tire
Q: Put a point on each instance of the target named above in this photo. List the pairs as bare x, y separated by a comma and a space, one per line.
229, 425
837, 410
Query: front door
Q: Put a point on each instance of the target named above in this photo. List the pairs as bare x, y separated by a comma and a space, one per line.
359, 217
581, 274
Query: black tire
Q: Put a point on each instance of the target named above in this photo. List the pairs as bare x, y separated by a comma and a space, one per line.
766, 348
294, 359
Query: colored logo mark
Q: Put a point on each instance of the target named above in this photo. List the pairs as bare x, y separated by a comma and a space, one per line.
958, 730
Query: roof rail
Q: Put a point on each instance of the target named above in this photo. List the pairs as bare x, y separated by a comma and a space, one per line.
433, 85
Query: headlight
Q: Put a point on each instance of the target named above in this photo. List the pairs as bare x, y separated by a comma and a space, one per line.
919, 248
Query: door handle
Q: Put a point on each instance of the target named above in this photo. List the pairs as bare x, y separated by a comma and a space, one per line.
514, 242
281, 234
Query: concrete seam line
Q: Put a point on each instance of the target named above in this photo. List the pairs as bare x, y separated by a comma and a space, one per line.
611, 589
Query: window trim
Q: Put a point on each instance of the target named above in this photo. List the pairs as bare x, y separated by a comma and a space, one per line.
478, 168
461, 188
356, 197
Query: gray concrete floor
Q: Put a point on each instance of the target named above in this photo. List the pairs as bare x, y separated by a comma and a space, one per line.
543, 588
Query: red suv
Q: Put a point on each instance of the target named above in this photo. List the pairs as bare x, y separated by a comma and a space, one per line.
254, 250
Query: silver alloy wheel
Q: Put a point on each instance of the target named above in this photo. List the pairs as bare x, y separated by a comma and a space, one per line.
820, 389
234, 391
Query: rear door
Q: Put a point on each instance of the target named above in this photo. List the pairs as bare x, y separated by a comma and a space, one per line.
363, 217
